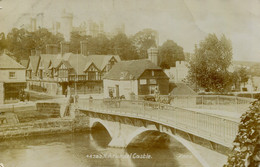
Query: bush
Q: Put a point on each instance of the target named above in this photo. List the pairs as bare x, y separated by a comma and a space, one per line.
246, 148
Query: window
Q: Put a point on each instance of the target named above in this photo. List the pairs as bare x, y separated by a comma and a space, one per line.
11, 74
152, 81
152, 73
152, 89
143, 82
91, 75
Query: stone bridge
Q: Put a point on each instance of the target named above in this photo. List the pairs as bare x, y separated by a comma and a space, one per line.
133, 122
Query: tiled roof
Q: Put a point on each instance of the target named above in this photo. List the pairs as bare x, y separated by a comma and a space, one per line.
24, 63
66, 63
8, 62
78, 62
132, 69
101, 60
46, 59
34, 62
181, 89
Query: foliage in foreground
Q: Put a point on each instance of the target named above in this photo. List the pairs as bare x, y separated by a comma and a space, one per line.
246, 150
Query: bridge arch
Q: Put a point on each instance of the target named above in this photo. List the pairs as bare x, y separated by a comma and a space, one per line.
121, 136
185, 143
95, 122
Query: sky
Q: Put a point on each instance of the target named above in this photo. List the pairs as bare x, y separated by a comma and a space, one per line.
187, 22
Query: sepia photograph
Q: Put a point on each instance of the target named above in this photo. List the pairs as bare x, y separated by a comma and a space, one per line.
129, 83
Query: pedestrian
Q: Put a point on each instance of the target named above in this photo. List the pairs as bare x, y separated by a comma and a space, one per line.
90, 101
76, 98
71, 99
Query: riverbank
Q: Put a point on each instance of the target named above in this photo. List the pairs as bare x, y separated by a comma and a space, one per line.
45, 127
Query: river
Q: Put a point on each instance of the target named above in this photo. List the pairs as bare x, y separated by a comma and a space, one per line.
89, 149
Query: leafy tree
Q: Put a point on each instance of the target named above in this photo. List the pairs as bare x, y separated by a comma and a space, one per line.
75, 39
246, 144
20, 42
3, 43
208, 68
243, 75
143, 40
99, 45
123, 47
169, 53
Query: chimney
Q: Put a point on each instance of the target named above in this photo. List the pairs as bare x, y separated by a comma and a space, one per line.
64, 47
33, 52
52, 49
153, 55
83, 48
38, 52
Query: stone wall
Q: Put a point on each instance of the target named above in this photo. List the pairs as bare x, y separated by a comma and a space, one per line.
49, 108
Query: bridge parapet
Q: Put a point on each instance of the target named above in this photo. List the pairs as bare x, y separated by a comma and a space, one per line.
212, 102
213, 128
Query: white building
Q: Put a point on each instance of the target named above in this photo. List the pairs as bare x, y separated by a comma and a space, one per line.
12, 78
179, 72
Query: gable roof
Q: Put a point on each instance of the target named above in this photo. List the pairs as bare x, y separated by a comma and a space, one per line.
101, 60
46, 59
78, 62
132, 69
89, 64
181, 89
7, 62
66, 63
34, 62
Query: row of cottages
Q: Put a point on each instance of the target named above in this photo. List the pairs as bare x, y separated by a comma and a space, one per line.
135, 77
65, 73
12, 79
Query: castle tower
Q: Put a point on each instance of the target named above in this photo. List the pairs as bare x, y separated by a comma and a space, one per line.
66, 24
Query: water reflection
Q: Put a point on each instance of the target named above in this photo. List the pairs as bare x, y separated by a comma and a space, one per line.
72, 150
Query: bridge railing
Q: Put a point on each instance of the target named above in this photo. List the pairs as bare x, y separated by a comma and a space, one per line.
214, 128
212, 102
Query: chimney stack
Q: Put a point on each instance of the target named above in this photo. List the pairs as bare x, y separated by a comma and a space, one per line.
83, 48
64, 47
52, 49
153, 55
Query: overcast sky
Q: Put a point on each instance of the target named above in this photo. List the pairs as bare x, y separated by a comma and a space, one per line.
185, 21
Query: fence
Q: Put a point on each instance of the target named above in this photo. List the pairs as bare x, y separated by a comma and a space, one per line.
210, 127
212, 102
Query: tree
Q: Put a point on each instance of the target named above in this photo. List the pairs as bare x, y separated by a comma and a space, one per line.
243, 75
169, 53
143, 40
246, 144
208, 68
20, 42
99, 45
3, 43
123, 47
75, 39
